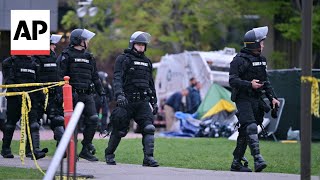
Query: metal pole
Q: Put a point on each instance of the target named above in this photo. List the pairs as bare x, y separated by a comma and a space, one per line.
305, 114
68, 109
61, 149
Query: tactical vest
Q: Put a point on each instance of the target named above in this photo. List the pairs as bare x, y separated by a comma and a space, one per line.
253, 67
48, 68
80, 68
24, 69
137, 73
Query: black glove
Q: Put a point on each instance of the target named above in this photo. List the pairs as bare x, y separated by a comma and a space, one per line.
155, 109
122, 101
274, 111
103, 99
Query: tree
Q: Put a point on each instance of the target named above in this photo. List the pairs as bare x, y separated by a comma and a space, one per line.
175, 25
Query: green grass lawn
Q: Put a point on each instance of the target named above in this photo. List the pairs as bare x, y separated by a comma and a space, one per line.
19, 173
203, 153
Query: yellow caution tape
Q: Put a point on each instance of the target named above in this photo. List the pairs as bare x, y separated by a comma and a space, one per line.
314, 94
25, 109
30, 84
66, 177
46, 93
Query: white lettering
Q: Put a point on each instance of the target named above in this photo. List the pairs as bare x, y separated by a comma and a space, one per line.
81, 60
140, 63
259, 63
28, 71
50, 65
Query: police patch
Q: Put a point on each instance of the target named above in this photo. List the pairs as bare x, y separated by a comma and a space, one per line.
81, 60
259, 63
140, 63
50, 65
28, 71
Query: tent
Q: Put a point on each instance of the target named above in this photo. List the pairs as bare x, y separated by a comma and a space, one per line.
217, 114
217, 102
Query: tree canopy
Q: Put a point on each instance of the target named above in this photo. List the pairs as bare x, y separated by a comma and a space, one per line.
178, 25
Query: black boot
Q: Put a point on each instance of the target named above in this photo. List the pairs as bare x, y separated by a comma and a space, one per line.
112, 146
92, 149
38, 153
86, 154
259, 163
148, 148
6, 153
110, 159
238, 155
6, 141
58, 133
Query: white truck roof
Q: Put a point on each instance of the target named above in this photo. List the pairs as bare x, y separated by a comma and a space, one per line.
175, 70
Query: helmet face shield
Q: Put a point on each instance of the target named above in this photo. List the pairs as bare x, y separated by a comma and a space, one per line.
139, 37
87, 35
260, 33
55, 38
253, 37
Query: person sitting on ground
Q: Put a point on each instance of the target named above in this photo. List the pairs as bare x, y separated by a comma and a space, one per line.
172, 105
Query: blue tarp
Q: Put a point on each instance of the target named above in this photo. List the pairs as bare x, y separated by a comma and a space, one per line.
188, 126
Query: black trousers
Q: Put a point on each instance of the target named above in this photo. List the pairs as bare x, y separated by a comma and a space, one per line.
249, 110
13, 115
90, 117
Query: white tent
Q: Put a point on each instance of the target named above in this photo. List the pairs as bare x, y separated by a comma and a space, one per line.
175, 70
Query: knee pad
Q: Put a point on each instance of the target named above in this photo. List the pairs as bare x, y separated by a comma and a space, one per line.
93, 120
252, 129
9, 127
34, 126
122, 133
149, 129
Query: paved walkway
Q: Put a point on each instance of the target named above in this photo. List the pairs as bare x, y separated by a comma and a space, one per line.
137, 172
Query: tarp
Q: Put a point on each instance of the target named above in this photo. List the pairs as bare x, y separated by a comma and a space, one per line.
217, 100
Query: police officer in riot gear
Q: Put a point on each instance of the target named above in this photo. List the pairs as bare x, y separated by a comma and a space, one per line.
80, 65
47, 72
134, 90
18, 70
248, 78
103, 107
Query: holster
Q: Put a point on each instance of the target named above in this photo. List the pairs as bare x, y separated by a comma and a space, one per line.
263, 105
137, 96
234, 94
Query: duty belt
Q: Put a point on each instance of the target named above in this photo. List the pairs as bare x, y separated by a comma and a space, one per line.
82, 91
137, 96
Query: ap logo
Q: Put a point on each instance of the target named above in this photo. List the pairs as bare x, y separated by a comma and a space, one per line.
30, 32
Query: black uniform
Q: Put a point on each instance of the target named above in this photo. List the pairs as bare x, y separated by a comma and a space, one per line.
103, 106
133, 81
47, 72
81, 67
245, 67
18, 70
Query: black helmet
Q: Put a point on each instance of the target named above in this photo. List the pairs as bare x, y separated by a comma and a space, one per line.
55, 38
79, 35
139, 37
253, 37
